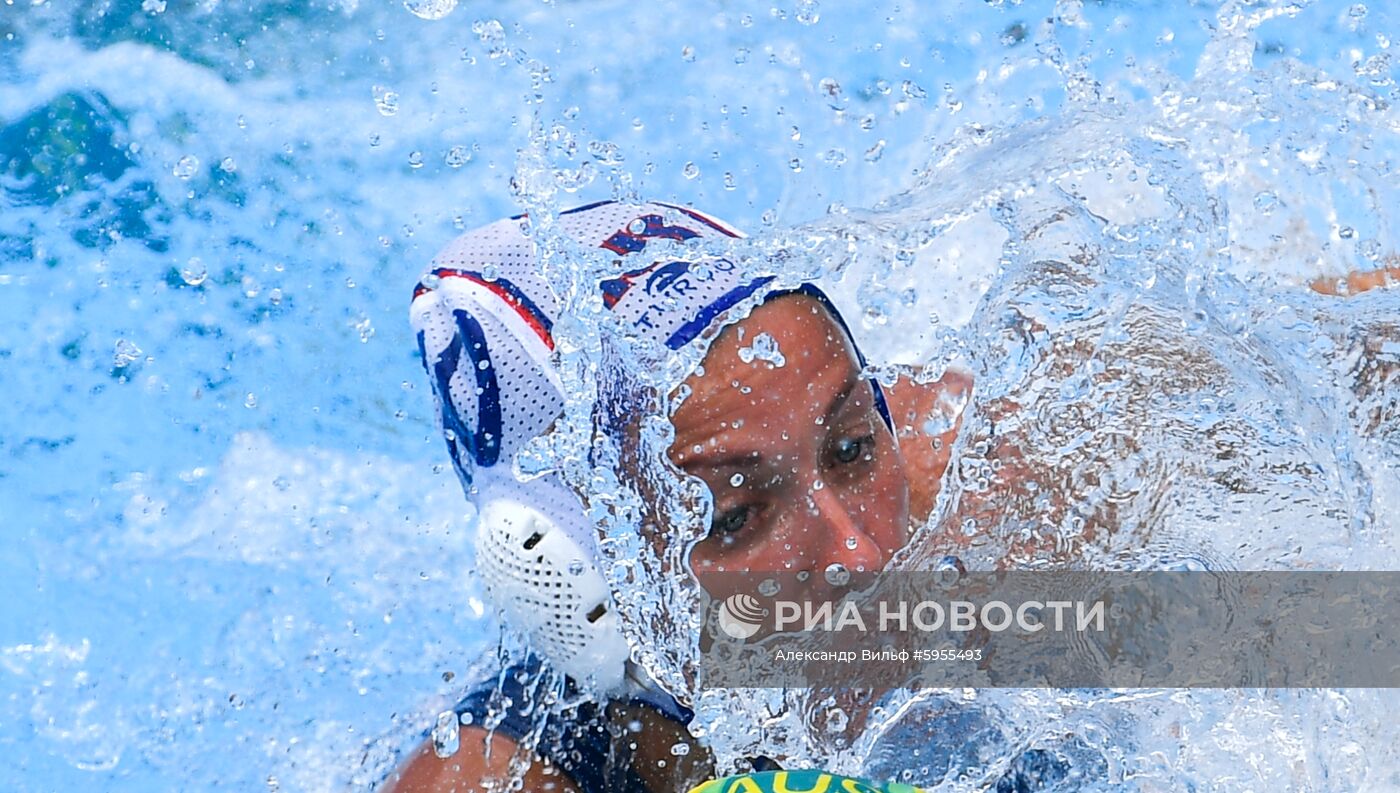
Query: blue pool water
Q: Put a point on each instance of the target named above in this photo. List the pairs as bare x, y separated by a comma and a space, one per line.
233, 552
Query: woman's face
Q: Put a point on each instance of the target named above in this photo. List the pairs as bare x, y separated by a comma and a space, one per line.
803, 470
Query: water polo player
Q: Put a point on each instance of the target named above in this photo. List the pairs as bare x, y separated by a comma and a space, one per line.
830, 469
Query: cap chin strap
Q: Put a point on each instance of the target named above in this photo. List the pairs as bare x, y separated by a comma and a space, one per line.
548, 588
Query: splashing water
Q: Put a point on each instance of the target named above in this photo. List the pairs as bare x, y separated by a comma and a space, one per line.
764, 348
1150, 383
1111, 221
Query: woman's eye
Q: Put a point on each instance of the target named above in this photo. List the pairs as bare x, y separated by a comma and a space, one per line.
848, 450
730, 521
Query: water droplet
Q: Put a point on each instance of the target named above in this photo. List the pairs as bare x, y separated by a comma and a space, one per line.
836, 574
948, 571
746, 20
874, 153
446, 735
282, 483
430, 281
457, 156
366, 330
126, 353
153, 6
680, 749
688, 54
691, 170
851, 543
194, 272
741, 55
573, 179
577, 567
769, 587
250, 401
876, 312
1266, 202
835, 157
489, 32
1014, 34
430, 9
808, 12
386, 100
736, 480
729, 181
1356, 15
763, 348
795, 164
415, 159
637, 226
605, 153
836, 720
187, 167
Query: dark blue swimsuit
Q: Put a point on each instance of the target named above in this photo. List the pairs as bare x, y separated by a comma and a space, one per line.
582, 743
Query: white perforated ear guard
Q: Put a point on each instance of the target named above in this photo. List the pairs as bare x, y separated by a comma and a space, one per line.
547, 587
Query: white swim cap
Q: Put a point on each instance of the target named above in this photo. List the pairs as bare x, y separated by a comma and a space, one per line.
484, 318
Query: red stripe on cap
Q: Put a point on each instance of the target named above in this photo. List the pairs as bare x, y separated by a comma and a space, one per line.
511, 300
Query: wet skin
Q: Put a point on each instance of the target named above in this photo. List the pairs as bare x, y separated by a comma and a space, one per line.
802, 468
874, 501
823, 483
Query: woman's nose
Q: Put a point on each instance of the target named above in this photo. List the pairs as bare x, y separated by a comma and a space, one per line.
842, 537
